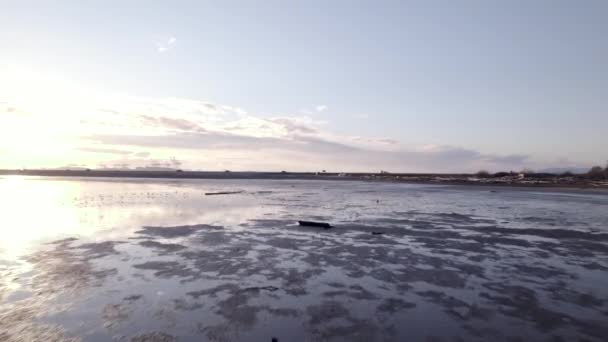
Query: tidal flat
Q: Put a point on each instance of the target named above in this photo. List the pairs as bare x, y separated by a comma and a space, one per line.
158, 260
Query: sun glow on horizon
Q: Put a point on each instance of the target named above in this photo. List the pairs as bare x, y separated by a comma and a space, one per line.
41, 118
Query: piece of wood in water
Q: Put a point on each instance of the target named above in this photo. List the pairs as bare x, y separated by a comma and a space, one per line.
315, 224
222, 193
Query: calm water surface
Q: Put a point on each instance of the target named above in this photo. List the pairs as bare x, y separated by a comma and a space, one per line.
157, 260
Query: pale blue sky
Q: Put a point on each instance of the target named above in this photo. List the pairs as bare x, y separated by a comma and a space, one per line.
499, 78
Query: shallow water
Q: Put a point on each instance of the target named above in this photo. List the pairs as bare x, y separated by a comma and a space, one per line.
157, 260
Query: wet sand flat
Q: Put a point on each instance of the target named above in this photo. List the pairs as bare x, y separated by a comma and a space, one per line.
157, 260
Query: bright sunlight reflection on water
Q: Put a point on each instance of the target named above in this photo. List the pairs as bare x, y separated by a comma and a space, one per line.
36, 210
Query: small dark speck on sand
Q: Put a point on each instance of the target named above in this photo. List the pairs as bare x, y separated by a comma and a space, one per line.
154, 337
132, 298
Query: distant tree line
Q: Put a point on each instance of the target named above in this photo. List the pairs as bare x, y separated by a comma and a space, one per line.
526, 172
595, 173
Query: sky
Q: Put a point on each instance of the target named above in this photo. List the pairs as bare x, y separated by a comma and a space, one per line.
402, 86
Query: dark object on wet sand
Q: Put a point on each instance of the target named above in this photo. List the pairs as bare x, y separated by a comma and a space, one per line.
222, 193
377, 233
315, 224
265, 288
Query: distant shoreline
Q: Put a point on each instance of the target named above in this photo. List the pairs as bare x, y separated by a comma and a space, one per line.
551, 181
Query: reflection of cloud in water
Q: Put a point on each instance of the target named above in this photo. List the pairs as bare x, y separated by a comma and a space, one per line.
236, 267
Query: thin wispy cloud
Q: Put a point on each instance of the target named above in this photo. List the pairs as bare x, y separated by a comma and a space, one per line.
165, 44
313, 110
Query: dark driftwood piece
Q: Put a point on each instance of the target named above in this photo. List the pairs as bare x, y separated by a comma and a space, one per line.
222, 193
314, 224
